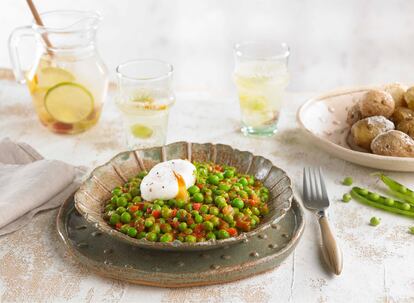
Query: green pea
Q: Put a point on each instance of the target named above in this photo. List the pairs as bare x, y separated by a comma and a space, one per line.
180, 203
375, 221
223, 234
137, 199
228, 218
204, 209
198, 197
180, 238
208, 226
141, 235
166, 228
211, 236
142, 174
166, 212
243, 194
215, 221
166, 238
120, 210
247, 211
124, 228
373, 196
108, 208
255, 211
135, 192
188, 231
220, 176
213, 179
224, 187
193, 190
127, 196
228, 174
156, 207
155, 228
219, 199
122, 201
181, 214
114, 219
346, 197
403, 189
126, 217
243, 181
132, 232
405, 206
237, 203
151, 236
208, 199
363, 191
117, 191
190, 239
182, 226
214, 211
347, 181
188, 207
251, 180
198, 219
194, 212
192, 226
389, 202
148, 222
159, 202
411, 230
114, 199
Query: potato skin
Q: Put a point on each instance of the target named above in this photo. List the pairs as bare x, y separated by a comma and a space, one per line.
393, 143
409, 97
377, 103
402, 113
354, 115
365, 130
407, 126
397, 91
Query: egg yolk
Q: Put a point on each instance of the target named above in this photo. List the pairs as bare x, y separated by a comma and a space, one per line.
182, 189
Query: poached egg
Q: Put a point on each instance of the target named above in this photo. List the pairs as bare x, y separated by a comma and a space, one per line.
168, 180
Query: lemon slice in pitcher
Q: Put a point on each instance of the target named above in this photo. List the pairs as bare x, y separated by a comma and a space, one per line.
141, 131
69, 102
50, 76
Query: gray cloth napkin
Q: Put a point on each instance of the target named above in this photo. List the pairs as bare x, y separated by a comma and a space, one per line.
30, 184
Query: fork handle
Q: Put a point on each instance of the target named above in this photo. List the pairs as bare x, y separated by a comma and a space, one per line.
331, 251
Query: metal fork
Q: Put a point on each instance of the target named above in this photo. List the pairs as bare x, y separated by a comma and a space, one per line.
315, 197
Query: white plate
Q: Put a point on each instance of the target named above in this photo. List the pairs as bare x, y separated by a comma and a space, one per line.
324, 119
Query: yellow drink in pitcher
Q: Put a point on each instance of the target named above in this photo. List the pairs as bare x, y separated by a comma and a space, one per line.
68, 92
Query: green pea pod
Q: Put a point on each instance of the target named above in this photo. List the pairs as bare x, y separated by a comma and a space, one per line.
355, 193
397, 189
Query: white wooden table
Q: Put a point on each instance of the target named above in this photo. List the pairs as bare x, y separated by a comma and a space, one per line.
378, 262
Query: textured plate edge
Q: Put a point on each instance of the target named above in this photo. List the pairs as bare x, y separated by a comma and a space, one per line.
200, 246
288, 249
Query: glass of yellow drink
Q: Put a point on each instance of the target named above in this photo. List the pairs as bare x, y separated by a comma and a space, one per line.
261, 77
145, 96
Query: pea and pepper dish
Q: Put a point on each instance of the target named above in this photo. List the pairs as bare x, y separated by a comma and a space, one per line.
222, 204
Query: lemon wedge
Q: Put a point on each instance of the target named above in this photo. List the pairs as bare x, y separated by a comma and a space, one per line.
50, 76
69, 102
141, 131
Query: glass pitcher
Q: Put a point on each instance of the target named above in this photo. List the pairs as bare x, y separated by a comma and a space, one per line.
68, 81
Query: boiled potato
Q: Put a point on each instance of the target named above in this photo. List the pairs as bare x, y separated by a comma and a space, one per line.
365, 130
407, 126
402, 113
354, 115
409, 97
377, 103
393, 143
397, 91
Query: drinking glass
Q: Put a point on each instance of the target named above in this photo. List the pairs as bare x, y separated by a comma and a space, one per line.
261, 76
145, 96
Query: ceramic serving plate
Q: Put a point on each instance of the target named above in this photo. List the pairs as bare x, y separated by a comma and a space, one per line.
324, 119
106, 256
93, 194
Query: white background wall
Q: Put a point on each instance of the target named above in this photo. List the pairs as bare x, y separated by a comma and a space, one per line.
334, 43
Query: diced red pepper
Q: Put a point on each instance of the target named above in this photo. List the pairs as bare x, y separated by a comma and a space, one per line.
118, 225
156, 213
196, 206
174, 212
232, 231
149, 210
200, 186
133, 208
243, 225
199, 228
175, 224
140, 205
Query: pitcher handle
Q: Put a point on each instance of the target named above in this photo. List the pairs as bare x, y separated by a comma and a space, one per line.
14, 41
